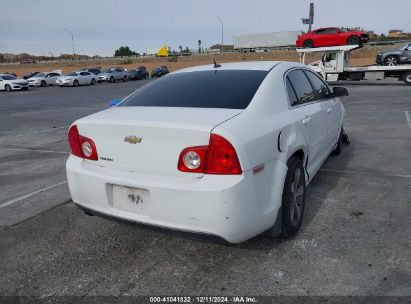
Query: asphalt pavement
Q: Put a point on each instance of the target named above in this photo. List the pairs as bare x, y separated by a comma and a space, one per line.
355, 238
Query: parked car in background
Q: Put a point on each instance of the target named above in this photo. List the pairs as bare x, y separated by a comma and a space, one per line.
10, 83
75, 79
331, 36
138, 74
180, 152
7, 73
95, 71
394, 57
31, 74
43, 79
112, 75
160, 71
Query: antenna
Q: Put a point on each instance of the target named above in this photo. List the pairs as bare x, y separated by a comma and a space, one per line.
216, 66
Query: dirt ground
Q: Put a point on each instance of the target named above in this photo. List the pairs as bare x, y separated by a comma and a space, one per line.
364, 56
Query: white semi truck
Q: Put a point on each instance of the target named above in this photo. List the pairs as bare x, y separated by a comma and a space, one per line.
334, 66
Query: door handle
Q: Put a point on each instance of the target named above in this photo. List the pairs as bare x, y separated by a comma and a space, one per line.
329, 110
306, 120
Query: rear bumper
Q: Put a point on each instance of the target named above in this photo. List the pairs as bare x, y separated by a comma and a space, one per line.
222, 206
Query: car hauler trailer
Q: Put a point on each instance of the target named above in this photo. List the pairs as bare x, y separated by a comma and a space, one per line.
334, 66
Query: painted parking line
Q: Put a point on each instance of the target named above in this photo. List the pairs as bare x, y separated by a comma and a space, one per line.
17, 199
408, 117
33, 150
30, 133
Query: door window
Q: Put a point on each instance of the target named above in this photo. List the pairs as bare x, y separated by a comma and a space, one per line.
321, 90
302, 87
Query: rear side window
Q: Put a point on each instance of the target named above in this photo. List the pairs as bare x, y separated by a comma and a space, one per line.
229, 89
320, 88
302, 87
292, 98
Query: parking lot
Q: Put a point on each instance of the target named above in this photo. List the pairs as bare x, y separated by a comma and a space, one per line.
355, 238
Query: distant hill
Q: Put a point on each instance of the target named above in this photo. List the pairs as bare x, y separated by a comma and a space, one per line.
7, 57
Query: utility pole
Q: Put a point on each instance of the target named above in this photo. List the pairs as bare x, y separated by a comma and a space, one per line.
72, 40
310, 19
222, 34
311, 16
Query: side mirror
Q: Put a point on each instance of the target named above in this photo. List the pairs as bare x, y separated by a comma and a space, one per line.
114, 102
340, 91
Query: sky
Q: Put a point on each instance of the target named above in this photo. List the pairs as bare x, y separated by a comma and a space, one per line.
100, 27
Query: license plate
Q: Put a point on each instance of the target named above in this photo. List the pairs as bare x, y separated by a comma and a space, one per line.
130, 199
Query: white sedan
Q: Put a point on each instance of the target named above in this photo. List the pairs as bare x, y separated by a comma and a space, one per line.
223, 150
10, 83
43, 79
77, 78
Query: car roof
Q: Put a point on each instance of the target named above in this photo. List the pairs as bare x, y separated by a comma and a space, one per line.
248, 65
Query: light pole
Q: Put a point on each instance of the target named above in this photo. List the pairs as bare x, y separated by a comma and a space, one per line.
72, 40
222, 34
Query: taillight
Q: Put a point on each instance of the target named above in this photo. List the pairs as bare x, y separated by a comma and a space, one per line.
81, 146
219, 157
193, 159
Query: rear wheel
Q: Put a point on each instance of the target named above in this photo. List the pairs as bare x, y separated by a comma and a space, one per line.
354, 40
308, 44
391, 60
7, 87
111, 79
43, 83
93, 81
293, 200
124, 78
407, 78
338, 148
75, 83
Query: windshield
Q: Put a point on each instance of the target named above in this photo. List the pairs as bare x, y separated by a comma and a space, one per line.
229, 89
405, 46
72, 74
40, 75
8, 77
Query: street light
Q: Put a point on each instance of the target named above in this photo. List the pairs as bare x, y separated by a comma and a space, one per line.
72, 40
222, 34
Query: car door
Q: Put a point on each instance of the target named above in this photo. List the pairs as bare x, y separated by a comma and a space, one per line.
83, 78
332, 106
310, 116
1, 84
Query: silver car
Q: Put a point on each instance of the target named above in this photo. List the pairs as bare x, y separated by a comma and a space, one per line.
113, 74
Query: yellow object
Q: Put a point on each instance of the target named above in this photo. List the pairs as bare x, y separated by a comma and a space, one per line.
163, 52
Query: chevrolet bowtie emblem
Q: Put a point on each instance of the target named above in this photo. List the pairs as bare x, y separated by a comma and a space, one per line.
133, 139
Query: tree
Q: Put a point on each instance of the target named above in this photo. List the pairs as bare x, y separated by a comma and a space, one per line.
124, 51
181, 48
199, 46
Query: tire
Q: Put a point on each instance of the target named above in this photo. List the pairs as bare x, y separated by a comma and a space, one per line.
43, 83
7, 88
93, 81
293, 199
391, 60
111, 79
337, 150
75, 83
124, 78
354, 40
308, 44
407, 78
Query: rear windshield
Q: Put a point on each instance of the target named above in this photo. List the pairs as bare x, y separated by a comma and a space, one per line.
229, 89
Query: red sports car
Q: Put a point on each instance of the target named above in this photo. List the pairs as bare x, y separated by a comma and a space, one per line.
331, 36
